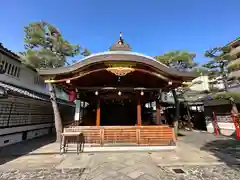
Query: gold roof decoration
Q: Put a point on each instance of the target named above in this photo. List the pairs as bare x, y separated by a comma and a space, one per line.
120, 71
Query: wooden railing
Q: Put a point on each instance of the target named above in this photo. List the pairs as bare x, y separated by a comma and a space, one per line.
133, 135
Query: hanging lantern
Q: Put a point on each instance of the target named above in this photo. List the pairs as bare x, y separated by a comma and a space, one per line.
119, 93
72, 96
96, 93
142, 93
68, 81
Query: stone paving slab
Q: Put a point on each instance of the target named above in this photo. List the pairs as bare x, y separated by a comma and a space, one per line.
226, 149
118, 164
164, 173
33, 162
45, 162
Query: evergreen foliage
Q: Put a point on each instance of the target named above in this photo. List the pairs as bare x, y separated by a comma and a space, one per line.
180, 60
46, 47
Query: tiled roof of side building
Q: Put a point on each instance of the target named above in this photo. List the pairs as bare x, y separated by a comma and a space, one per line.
233, 42
9, 52
11, 89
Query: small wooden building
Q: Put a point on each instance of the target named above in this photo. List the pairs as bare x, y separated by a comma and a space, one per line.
116, 85
222, 109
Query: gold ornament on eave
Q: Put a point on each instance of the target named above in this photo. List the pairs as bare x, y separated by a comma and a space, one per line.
120, 71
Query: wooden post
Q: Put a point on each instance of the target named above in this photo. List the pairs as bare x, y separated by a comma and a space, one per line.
139, 116
158, 113
101, 137
83, 111
177, 112
98, 114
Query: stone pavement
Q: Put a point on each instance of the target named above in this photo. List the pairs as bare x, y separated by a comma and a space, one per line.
163, 173
189, 159
225, 149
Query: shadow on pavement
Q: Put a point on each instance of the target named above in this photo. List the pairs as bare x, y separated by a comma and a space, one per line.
228, 150
180, 134
11, 152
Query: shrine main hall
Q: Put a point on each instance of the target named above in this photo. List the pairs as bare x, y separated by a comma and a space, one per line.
114, 90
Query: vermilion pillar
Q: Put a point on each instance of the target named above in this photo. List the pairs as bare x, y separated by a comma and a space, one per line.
139, 116
158, 112
98, 114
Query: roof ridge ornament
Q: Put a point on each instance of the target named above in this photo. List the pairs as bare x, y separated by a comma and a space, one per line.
120, 45
120, 42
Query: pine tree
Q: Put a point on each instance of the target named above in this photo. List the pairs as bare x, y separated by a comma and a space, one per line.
217, 66
46, 48
182, 61
219, 72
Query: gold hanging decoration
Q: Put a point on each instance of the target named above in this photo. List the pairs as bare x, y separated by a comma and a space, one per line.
120, 71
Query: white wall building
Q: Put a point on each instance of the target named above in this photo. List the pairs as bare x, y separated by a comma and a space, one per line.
26, 112
205, 84
18, 74
201, 83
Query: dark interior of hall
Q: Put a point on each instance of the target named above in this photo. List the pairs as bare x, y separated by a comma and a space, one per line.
117, 113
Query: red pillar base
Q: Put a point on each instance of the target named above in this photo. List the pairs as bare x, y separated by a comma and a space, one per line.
235, 121
215, 124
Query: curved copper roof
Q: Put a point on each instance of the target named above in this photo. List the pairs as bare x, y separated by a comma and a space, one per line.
117, 56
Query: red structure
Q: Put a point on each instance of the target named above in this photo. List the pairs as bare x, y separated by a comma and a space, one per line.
72, 95
215, 124
237, 129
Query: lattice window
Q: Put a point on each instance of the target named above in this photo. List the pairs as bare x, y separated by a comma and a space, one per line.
38, 80
10, 69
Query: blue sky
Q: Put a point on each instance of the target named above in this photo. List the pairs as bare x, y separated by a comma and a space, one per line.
151, 27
